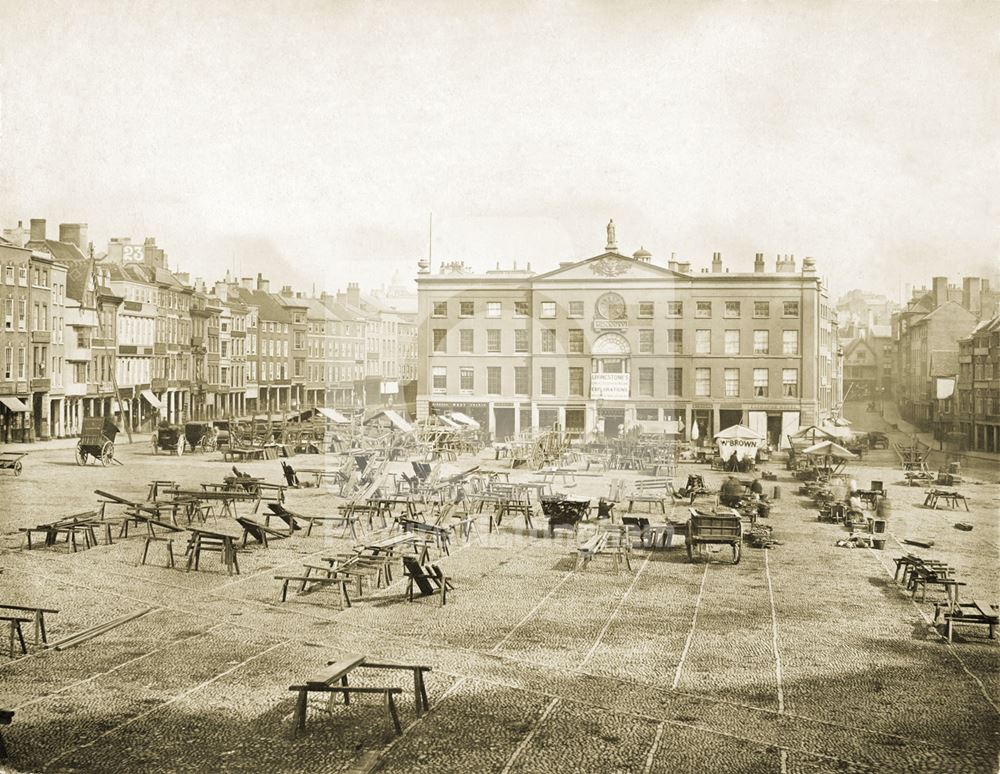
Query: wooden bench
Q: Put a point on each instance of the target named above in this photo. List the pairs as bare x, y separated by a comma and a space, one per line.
231, 454
69, 526
589, 548
429, 580
202, 540
977, 612
333, 680
307, 577
950, 497
6, 716
441, 535
923, 575
38, 615
15, 622
652, 491
258, 531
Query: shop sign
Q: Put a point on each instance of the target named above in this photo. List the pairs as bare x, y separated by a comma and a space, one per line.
609, 386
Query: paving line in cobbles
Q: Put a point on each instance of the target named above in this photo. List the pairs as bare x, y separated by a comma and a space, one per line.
531, 612
351, 766
531, 735
385, 634
876, 556
774, 634
652, 748
116, 667
614, 614
694, 621
167, 703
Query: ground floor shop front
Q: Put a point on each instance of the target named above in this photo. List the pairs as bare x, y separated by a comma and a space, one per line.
686, 421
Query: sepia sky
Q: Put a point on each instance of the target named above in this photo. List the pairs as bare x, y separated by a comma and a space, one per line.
311, 140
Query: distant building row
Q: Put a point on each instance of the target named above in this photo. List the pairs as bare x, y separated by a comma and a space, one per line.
178, 349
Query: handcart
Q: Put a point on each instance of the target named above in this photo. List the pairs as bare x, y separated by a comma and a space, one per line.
12, 461
720, 527
97, 441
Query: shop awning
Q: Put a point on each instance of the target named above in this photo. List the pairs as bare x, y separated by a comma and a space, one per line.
458, 416
448, 422
152, 400
333, 415
14, 404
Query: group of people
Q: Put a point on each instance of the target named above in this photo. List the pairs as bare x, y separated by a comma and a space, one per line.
734, 494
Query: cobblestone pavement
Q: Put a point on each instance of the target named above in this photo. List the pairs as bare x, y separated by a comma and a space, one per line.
803, 658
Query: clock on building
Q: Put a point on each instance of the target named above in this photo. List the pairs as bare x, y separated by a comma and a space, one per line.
611, 306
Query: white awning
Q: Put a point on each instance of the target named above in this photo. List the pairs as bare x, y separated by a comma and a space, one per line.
458, 416
448, 421
14, 404
397, 420
333, 415
151, 399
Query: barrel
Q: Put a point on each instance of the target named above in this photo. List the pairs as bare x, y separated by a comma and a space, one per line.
776, 495
884, 509
878, 533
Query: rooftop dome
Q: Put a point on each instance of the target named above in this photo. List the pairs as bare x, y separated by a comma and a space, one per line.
642, 254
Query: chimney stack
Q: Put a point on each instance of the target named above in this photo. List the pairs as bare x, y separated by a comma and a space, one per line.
716, 263
74, 233
758, 263
972, 298
939, 286
263, 285
37, 229
246, 283
353, 294
785, 264
286, 291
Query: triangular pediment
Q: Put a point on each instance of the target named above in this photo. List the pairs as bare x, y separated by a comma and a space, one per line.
609, 266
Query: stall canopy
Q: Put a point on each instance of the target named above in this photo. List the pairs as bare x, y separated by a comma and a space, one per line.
14, 404
458, 416
151, 399
739, 440
447, 421
829, 449
333, 415
397, 421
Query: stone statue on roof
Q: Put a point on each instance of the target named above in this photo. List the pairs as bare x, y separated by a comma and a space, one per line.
611, 236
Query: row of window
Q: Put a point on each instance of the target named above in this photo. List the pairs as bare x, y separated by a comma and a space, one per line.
732, 344
644, 385
646, 309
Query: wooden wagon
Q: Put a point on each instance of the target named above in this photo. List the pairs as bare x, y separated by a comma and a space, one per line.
12, 461
721, 527
97, 440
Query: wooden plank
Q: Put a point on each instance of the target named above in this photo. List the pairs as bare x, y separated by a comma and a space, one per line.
334, 672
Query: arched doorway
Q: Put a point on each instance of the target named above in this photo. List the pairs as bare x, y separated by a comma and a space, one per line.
609, 380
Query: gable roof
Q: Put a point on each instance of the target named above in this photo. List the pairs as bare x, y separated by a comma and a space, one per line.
611, 265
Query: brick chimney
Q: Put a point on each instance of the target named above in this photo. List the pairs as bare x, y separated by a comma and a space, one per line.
353, 294
716, 263
785, 264
263, 285
246, 283
939, 286
972, 298
74, 233
758, 263
286, 291
37, 227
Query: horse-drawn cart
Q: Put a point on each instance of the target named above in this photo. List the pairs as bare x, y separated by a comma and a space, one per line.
721, 527
12, 461
97, 440
168, 438
199, 436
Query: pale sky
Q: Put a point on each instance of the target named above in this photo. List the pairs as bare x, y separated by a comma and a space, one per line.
310, 141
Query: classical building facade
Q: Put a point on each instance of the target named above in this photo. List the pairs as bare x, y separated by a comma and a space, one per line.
613, 341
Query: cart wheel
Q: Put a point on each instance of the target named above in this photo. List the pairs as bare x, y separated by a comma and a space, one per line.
737, 550
17, 468
107, 453
81, 456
